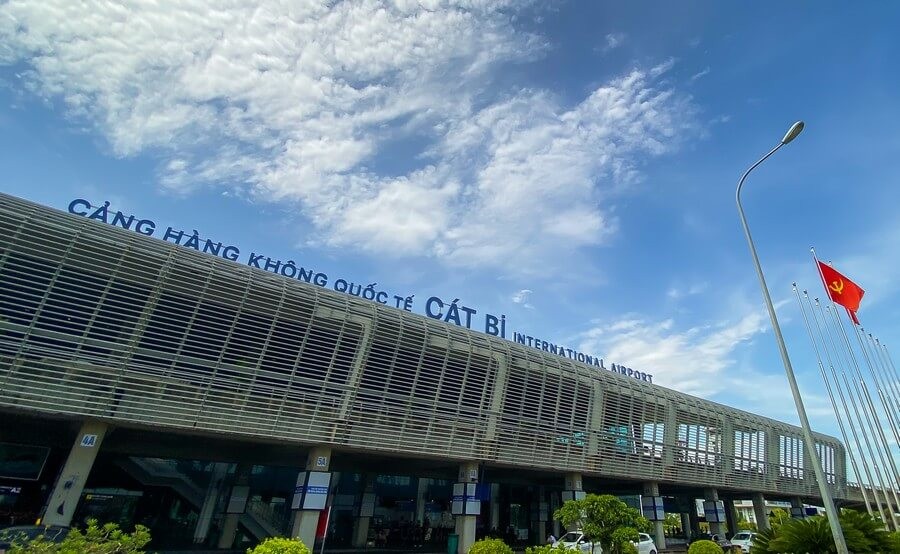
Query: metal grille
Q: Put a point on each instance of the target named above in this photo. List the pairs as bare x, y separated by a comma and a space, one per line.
97, 321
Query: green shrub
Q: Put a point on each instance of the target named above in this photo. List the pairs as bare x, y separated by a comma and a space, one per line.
760, 543
547, 549
490, 546
280, 545
108, 539
705, 547
628, 548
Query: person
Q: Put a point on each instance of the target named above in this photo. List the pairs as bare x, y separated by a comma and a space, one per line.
551, 540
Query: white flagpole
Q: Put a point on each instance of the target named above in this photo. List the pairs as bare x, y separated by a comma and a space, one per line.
885, 371
865, 400
827, 332
884, 403
883, 391
891, 361
834, 405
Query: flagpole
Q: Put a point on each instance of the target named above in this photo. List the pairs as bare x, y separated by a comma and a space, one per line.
891, 465
834, 405
891, 360
883, 391
887, 408
827, 500
827, 332
865, 401
885, 372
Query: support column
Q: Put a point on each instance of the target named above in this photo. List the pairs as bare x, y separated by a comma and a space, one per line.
421, 493
773, 455
70, 483
542, 515
797, 509
366, 510
208, 508
728, 447
715, 526
237, 502
657, 517
670, 435
465, 523
306, 521
759, 510
693, 519
686, 526
573, 489
495, 506
731, 517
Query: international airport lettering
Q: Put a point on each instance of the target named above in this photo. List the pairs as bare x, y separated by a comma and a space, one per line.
435, 307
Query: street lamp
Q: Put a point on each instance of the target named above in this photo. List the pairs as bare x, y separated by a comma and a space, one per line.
830, 509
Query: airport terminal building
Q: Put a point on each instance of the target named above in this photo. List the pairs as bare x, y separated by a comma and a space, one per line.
143, 381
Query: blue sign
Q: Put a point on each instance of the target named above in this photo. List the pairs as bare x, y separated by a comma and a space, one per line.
434, 307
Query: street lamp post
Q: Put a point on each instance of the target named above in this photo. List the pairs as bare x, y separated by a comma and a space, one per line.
830, 509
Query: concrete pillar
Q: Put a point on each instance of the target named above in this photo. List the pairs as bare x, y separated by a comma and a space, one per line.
542, 515
495, 506
421, 500
555, 505
693, 528
465, 524
306, 521
361, 528
797, 509
70, 483
773, 454
659, 532
717, 528
728, 447
573, 489
731, 516
596, 420
686, 526
208, 508
670, 435
759, 510
230, 524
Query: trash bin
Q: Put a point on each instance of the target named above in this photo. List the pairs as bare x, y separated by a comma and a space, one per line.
452, 543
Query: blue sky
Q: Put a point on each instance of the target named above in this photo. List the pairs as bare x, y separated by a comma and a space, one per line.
568, 164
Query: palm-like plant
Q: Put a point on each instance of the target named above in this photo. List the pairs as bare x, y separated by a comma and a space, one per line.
863, 534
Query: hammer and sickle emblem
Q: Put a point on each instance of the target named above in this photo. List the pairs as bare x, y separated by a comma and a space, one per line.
837, 286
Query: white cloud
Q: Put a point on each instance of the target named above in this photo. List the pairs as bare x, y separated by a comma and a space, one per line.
692, 360
302, 102
613, 41
521, 297
700, 74
678, 292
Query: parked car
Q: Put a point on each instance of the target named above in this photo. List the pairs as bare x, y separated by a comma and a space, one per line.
743, 539
575, 540
721, 541
645, 544
25, 533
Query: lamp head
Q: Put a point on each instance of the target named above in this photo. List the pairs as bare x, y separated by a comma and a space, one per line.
792, 132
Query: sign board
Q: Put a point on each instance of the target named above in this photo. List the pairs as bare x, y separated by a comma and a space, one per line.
714, 511
315, 494
652, 508
458, 500
88, 441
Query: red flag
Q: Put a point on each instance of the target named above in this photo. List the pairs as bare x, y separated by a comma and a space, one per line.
842, 290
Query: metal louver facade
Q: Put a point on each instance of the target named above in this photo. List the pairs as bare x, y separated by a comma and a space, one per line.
101, 322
